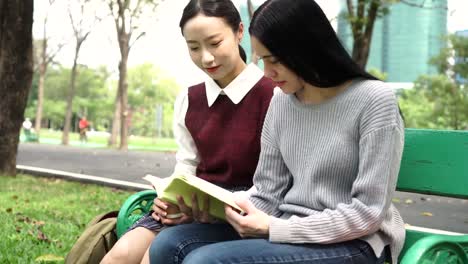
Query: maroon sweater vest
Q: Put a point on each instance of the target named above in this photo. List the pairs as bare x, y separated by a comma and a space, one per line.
227, 136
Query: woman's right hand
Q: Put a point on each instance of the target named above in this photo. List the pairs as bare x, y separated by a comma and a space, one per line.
160, 212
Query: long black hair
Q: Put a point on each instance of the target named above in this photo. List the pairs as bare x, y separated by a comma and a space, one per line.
300, 36
214, 8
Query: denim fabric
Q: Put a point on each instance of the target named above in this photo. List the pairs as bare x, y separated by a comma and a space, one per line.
220, 244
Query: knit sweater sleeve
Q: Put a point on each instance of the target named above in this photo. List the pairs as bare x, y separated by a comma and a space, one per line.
272, 178
380, 149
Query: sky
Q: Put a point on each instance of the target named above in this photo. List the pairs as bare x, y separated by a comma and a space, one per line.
163, 45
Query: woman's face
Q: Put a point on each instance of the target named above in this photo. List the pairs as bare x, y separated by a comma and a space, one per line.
214, 47
287, 80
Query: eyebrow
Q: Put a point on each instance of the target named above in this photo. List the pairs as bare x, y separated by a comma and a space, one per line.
208, 38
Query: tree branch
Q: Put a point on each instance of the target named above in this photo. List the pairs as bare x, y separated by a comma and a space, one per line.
360, 9
51, 57
371, 16
351, 17
138, 37
350, 7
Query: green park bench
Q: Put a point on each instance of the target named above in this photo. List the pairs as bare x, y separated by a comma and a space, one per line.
434, 162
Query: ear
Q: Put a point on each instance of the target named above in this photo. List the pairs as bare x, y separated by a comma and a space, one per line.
240, 32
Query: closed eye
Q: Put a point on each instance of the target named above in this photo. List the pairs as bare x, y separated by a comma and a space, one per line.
269, 58
274, 61
216, 43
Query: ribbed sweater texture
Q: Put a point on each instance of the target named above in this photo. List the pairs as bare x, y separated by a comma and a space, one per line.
327, 172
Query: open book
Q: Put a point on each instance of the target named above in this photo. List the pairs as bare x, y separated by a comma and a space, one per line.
185, 185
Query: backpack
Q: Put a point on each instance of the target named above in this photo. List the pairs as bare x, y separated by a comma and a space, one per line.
97, 239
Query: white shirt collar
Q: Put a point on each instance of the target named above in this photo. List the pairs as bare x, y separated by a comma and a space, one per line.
238, 88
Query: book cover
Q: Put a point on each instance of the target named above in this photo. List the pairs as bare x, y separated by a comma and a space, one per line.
185, 185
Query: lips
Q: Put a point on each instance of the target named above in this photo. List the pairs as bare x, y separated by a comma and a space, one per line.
279, 84
212, 69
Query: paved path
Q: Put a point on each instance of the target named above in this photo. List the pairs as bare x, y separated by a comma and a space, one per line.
420, 210
120, 165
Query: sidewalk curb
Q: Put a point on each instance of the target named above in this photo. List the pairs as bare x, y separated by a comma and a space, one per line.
82, 178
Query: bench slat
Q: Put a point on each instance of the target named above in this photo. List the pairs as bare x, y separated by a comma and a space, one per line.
435, 162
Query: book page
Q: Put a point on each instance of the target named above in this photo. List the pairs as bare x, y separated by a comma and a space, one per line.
217, 192
159, 184
168, 189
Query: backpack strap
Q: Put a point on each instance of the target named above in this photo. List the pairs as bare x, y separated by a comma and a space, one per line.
101, 217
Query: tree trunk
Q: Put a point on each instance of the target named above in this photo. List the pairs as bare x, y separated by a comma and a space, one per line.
123, 100
71, 94
361, 49
362, 20
16, 71
42, 72
40, 97
115, 121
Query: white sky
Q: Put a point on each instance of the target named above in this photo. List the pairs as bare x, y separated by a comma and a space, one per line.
164, 45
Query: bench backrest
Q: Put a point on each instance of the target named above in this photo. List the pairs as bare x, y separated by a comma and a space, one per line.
435, 162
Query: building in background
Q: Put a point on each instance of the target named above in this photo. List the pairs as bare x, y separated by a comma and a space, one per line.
460, 79
404, 40
245, 17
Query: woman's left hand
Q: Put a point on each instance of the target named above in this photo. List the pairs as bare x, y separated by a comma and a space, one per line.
254, 224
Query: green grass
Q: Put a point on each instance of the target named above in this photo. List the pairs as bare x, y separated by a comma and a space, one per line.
43, 217
100, 141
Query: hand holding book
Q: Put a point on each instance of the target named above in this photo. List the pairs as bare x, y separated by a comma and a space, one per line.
186, 186
171, 214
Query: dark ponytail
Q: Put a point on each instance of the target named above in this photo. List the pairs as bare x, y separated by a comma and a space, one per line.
242, 54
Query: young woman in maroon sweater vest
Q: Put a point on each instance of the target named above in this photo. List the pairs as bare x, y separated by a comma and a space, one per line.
217, 124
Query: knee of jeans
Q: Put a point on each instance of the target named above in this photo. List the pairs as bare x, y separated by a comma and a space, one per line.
164, 245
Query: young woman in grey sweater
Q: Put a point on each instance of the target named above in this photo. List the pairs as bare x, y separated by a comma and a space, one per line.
330, 154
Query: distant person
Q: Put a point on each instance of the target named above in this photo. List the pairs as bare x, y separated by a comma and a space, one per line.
83, 125
217, 123
27, 127
331, 149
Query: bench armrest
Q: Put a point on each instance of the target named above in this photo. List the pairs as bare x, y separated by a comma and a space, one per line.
438, 249
136, 206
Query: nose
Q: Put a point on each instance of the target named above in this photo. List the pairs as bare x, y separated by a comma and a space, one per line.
207, 57
269, 71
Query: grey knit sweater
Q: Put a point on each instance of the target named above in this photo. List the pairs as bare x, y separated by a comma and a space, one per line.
327, 172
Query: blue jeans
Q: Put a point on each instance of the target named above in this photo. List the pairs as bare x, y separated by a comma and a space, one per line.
220, 244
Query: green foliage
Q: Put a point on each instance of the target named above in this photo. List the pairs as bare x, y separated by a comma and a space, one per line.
378, 74
460, 47
360, 16
440, 101
148, 88
92, 98
435, 102
43, 217
95, 95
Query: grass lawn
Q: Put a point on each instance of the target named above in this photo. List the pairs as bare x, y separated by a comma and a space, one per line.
99, 140
41, 218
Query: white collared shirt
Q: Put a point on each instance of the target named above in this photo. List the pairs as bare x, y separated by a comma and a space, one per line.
187, 156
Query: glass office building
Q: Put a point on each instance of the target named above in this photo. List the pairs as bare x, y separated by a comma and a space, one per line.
404, 40
244, 12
